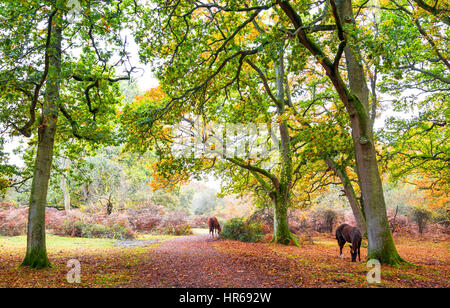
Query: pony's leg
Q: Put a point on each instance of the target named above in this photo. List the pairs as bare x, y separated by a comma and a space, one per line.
341, 244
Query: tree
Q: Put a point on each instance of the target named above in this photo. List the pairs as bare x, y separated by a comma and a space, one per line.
64, 187
43, 78
415, 63
276, 183
263, 106
355, 97
214, 32
420, 214
439, 9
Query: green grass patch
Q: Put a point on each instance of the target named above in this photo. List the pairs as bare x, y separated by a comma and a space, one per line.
154, 237
58, 242
68, 243
325, 242
111, 280
200, 231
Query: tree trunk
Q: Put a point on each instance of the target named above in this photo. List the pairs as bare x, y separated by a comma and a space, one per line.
65, 193
394, 221
281, 232
381, 243
281, 196
109, 205
65, 189
36, 255
350, 194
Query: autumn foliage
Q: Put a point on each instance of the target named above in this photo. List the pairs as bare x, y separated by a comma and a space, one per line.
118, 225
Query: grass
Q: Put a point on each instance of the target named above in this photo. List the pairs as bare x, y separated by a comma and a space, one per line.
57, 242
200, 231
154, 237
103, 263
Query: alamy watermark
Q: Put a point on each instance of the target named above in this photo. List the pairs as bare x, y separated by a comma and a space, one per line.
75, 9
374, 274
194, 138
74, 273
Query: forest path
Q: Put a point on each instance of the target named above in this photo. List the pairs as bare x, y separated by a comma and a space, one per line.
194, 261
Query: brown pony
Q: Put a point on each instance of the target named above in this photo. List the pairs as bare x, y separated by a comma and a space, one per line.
213, 224
346, 233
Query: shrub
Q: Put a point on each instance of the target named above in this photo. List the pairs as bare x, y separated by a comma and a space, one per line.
144, 220
325, 217
180, 229
11, 230
241, 230
93, 230
298, 221
421, 215
398, 223
442, 217
13, 221
54, 220
264, 216
174, 223
5, 205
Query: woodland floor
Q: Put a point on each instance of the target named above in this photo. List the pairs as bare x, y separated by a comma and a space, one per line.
198, 261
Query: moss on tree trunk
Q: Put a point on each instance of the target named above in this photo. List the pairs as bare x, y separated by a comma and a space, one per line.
281, 232
36, 255
37, 258
386, 253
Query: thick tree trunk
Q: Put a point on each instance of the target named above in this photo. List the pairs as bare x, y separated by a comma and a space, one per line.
281, 232
381, 244
36, 255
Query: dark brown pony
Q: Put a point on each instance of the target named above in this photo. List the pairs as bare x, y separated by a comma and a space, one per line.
346, 233
213, 224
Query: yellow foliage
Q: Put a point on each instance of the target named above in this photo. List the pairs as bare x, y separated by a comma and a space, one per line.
153, 94
436, 196
160, 181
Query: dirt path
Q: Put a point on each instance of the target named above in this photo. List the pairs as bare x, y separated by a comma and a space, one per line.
194, 261
198, 261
